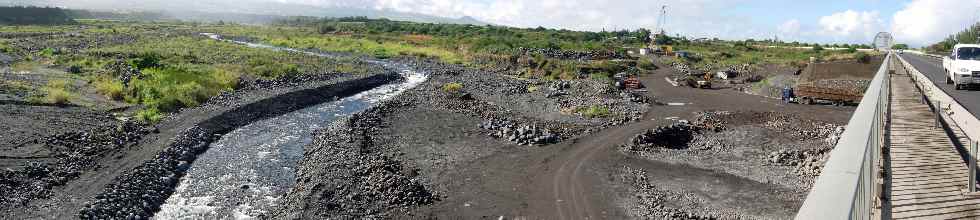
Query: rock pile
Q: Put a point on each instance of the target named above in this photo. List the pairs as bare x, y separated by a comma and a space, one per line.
124, 71
676, 136
808, 163
520, 134
558, 88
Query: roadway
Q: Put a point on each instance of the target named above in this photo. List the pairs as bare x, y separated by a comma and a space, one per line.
933, 68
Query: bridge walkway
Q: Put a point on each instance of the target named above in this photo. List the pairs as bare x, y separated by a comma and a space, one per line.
928, 175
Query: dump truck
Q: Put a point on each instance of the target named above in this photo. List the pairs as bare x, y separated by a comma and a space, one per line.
837, 83
830, 91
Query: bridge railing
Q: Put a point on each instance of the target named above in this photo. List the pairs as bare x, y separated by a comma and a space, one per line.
848, 186
952, 112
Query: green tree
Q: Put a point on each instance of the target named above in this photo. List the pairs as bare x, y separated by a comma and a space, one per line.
900, 46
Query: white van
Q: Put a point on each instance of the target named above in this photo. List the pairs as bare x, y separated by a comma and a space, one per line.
963, 66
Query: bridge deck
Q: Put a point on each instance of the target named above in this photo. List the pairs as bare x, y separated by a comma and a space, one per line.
928, 176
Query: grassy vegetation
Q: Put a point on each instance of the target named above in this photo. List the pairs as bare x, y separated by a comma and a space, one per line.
110, 87
149, 115
56, 92
170, 88
595, 111
453, 87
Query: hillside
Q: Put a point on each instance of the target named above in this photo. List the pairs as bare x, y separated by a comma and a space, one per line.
33, 16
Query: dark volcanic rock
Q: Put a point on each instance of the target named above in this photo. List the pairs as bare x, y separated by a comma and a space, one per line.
676, 136
74, 153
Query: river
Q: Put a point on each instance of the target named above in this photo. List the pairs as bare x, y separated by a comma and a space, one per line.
245, 173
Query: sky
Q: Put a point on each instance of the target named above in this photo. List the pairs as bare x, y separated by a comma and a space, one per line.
915, 22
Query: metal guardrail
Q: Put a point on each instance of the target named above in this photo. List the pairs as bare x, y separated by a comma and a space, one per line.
849, 185
953, 113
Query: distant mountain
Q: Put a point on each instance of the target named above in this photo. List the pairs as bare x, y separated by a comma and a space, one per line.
248, 11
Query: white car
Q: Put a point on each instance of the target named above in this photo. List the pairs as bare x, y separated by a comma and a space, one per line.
963, 66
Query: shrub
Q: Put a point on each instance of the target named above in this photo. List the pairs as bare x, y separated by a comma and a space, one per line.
111, 88
145, 60
57, 92
532, 88
47, 53
595, 111
149, 115
453, 87
272, 69
817, 48
862, 57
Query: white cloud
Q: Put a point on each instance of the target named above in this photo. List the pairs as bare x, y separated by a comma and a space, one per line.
923, 22
851, 25
790, 27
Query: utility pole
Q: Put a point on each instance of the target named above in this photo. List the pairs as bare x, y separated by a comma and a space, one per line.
661, 20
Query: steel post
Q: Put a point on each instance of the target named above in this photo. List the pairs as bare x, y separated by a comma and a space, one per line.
973, 165
935, 111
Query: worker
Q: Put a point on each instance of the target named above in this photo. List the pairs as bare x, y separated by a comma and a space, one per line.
787, 94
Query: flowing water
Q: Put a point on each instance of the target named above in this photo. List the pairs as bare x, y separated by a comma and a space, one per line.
246, 172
